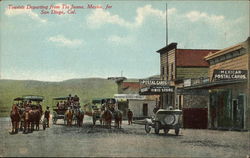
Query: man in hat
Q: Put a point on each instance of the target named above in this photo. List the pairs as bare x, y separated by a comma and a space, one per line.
47, 115
130, 116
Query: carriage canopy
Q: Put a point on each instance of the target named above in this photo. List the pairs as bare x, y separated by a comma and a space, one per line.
60, 98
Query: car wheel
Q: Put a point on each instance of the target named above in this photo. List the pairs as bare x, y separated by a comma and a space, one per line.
147, 128
177, 130
157, 127
166, 130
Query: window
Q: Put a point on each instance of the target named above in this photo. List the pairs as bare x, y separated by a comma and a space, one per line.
180, 102
172, 71
167, 72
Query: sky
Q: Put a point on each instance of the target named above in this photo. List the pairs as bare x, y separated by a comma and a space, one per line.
38, 44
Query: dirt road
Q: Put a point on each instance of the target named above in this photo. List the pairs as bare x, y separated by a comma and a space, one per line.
129, 141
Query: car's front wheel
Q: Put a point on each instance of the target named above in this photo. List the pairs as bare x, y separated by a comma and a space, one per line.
157, 127
147, 128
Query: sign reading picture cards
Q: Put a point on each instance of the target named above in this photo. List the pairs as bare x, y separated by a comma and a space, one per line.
230, 75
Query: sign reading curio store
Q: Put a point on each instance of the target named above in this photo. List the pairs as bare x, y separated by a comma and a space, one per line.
230, 75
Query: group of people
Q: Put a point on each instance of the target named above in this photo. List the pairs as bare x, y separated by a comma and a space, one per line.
71, 102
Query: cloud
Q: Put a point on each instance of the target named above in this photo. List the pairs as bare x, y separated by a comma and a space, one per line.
100, 17
196, 15
28, 12
120, 40
226, 28
63, 41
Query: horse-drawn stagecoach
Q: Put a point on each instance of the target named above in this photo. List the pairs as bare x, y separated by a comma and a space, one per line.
104, 110
59, 108
67, 108
27, 110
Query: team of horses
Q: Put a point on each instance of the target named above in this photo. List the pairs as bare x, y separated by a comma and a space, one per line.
28, 119
25, 119
74, 114
107, 116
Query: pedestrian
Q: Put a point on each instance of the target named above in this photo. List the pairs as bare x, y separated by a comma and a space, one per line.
47, 115
130, 116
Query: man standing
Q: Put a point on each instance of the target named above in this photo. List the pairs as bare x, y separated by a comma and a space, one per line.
130, 116
47, 115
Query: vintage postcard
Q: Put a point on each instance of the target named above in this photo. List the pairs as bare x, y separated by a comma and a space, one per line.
123, 78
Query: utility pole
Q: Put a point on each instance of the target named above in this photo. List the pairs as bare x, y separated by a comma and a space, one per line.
166, 24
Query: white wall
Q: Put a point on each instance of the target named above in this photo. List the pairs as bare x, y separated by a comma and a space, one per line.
136, 106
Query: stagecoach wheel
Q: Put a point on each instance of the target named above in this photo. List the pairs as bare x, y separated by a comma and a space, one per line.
147, 128
54, 120
157, 127
166, 130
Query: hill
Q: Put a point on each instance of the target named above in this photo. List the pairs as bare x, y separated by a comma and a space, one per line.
86, 89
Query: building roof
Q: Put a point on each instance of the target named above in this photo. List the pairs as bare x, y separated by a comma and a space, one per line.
192, 57
167, 48
229, 49
223, 51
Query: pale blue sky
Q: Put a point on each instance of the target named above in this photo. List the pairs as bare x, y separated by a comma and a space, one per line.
102, 43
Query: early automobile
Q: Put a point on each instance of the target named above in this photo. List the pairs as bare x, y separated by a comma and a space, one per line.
164, 119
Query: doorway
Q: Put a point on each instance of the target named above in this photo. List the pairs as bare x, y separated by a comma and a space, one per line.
145, 109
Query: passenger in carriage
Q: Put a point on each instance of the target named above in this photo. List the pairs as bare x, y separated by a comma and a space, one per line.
61, 105
76, 99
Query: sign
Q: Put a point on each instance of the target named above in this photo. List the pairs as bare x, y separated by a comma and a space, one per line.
187, 82
155, 90
154, 82
129, 96
230, 75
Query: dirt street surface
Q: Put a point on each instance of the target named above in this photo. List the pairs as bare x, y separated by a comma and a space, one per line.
130, 141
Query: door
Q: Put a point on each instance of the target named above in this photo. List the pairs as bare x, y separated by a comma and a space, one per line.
145, 109
239, 112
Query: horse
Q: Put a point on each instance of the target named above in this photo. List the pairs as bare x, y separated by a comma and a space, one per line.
37, 117
118, 118
15, 118
79, 117
106, 117
29, 117
69, 117
21, 113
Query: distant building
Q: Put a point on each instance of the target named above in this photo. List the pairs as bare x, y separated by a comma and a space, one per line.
128, 98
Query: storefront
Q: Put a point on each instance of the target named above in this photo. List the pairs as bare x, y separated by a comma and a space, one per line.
229, 88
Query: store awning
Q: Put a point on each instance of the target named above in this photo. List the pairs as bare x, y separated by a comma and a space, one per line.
208, 85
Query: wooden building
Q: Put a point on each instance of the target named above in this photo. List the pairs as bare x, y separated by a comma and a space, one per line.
177, 65
229, 87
